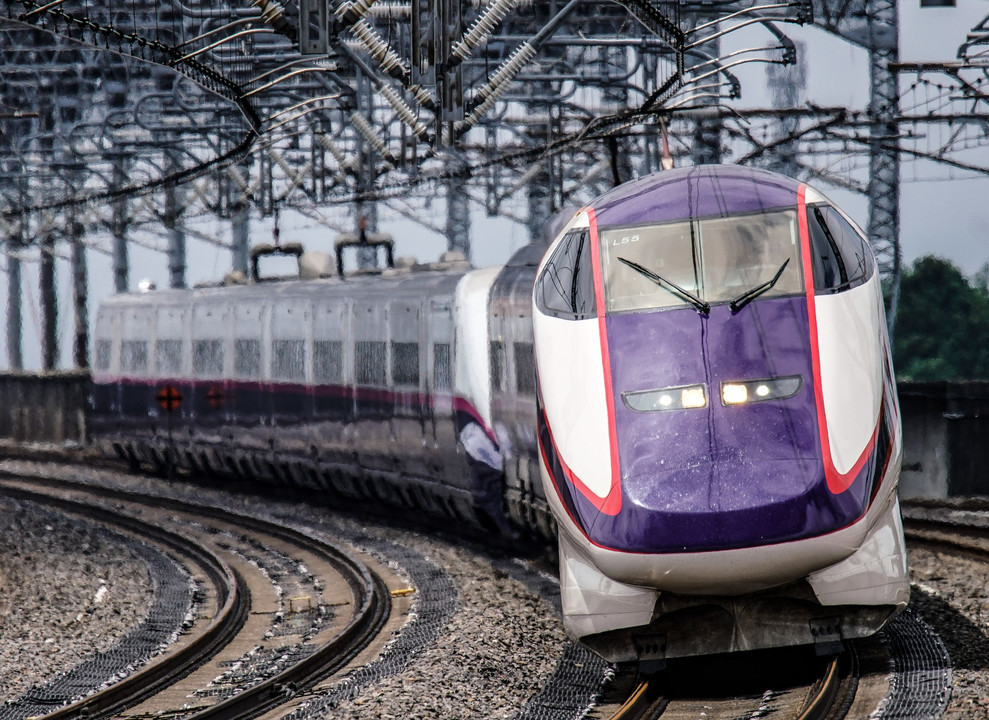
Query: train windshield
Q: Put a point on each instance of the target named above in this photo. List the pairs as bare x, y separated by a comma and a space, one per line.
701, 262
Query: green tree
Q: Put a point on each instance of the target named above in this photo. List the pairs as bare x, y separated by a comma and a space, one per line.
942, 324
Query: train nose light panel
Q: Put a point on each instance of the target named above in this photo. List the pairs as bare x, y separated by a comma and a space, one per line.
740, 392
672, 398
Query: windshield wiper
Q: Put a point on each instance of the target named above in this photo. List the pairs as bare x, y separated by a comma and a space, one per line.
749, 295
848, 283
670, 286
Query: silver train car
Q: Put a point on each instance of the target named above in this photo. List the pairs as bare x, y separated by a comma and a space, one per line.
411, 388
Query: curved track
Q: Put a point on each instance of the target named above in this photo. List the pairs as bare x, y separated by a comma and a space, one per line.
960, 527
366, 594
687, 691
228, 587
697, 689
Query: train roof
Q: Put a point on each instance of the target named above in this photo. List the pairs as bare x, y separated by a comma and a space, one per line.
695, 192
383, 285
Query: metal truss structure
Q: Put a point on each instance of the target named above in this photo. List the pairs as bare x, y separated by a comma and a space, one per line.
131, 120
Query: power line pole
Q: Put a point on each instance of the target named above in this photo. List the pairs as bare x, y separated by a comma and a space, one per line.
49, 303
118, 223
80, 304
15, 356
457, 216
884, 147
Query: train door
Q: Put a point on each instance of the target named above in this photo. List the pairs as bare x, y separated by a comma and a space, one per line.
369, 433
441, 427
137, 395
106, 378
246, 402
168, 356
291, 397
520, 411
408, 419
211, 324
332, 403
513, 396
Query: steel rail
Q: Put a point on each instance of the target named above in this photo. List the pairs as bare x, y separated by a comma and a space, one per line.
823, 694
233, 597
948, 534
372, 603
640, 704
646, 703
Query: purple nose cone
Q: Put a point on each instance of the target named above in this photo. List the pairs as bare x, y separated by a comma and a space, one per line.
719, 477
693, 192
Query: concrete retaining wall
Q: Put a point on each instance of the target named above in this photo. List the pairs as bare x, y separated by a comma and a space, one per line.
945, 439
49, 407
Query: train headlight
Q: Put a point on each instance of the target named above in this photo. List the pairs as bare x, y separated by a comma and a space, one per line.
693, 397
734, 393
672, 398
739, 392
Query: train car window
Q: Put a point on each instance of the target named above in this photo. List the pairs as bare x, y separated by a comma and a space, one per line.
525, 369
665, 250
442, 375
442, 367
288, 360
328, 361
698, 262
207, 358
103, 347
168, 357
247, 358
565, 289
841, 258
405, 363
134, 356
497, 352
370, 362
742, 252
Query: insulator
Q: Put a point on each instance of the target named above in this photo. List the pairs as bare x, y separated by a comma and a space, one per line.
238, 177
508, 70
375, 46
357, 7
365, 129
283, 164
479, 3
391, 10
499, 82
272, 13
423, 96
343, 163
527, 177
331, 147
404, 111
482, 27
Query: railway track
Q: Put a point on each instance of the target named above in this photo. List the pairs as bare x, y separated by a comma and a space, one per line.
819, 690
852, 687
960, 527
228, 554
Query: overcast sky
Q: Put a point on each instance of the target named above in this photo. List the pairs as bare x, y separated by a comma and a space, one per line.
943, 212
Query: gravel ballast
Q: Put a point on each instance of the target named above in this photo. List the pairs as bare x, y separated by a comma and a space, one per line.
493, 651
497, 646
951, 593
68, 591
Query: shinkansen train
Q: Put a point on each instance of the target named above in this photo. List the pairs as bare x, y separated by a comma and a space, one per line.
689, 388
